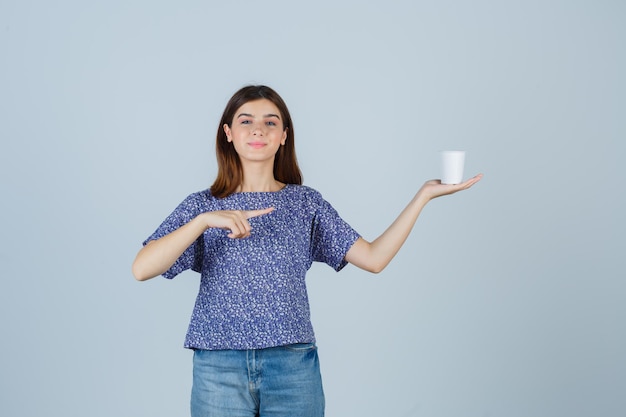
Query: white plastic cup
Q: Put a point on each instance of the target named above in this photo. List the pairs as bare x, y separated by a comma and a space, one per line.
452, 165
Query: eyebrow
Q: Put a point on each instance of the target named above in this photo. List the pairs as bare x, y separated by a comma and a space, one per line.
265, 116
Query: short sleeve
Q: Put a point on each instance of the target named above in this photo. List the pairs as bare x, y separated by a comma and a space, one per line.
191, 258
332, 237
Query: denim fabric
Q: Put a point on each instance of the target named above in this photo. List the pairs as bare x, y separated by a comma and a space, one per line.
282, 381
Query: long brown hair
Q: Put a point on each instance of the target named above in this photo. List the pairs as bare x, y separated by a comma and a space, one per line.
230, 172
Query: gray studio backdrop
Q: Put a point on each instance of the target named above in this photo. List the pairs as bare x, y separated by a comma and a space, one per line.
507, 300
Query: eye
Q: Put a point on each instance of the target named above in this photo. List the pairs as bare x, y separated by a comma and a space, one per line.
270, 123
245, 122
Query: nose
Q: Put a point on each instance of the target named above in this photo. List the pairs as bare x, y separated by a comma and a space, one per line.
257, 129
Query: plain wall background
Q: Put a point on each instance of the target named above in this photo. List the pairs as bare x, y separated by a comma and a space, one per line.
507, 300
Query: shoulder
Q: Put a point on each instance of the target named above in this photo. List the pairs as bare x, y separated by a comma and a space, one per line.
307, 197
303, 193
200, 200
303, 190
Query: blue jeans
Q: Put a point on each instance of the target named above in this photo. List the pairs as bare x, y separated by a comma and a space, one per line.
283, 381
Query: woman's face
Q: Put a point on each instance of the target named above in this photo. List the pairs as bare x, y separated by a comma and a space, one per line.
256, 131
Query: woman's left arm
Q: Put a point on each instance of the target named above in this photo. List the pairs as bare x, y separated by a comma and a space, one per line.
375, 256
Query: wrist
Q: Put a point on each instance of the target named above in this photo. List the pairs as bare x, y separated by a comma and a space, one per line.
421, 198
204, 220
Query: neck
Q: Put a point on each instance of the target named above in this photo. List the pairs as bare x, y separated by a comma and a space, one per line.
258, 179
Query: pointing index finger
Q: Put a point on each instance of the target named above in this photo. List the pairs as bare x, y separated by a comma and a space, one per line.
255, 213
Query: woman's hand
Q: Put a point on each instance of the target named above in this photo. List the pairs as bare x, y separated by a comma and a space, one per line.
434, 188
159, 255
235, 221
375, 256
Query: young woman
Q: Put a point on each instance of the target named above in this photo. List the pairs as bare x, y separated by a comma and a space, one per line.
253, 235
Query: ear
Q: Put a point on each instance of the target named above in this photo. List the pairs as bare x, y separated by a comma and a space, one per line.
227, 131
284, 138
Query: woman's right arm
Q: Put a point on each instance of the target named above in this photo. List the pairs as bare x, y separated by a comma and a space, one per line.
157, 256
